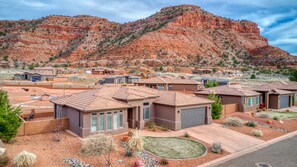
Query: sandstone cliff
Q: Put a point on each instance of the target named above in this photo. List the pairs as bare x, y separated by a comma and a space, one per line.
183, 35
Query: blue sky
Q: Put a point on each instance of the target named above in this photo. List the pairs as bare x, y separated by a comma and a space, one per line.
277, 19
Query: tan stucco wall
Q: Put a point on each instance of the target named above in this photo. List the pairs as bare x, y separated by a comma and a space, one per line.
165, 115
86, 128
171, 116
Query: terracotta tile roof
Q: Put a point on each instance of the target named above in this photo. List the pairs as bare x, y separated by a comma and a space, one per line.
135, 93
180, 99
232, 90
273, 88
167, 80
286, 85
93, 100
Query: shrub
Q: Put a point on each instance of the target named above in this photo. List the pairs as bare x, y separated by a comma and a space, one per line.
75, 162
24, 159
3, 157
151, 125
276, 118
216, 107
217, 148
128, 153
251, 124
234, 121
99, 144
186, 135
135, 143
163, 162
164, 127
253, 76
9, 118
264, 115
258, 133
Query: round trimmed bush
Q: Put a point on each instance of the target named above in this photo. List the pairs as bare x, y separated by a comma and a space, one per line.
251, 124
234, 121
24, 159
258, 133
264, 115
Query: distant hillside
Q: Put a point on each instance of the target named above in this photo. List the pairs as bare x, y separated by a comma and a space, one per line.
182, 35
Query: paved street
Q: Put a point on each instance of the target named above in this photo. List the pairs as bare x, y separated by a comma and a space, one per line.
281, 154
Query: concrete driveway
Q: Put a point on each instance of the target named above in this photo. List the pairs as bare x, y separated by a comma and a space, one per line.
232, 141
293, 108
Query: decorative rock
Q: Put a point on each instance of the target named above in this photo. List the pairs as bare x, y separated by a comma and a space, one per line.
139, 163
120, 161
281, 121
269, 122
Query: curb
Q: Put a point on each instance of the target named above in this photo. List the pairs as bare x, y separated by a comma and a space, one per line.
246, 151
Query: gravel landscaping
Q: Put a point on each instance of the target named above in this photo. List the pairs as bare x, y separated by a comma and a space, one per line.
174, 147
283, 115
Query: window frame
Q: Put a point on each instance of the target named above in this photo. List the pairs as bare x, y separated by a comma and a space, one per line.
94, 115
104, 128
107, 119
121, 116
146, 105
250, 101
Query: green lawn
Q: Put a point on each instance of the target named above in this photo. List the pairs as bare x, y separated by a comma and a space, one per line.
283, 115
173, 147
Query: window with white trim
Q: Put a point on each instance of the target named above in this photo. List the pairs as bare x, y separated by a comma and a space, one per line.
258, 100
115, 120
101, 122
251, 101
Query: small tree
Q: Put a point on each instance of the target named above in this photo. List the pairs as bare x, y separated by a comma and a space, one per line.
99, 144
215, 83
253, 76
9, 118
216, 107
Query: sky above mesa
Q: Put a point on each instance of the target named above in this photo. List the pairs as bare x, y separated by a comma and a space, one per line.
277, 19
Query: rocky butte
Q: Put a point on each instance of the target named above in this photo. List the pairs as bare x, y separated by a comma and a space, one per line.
184, 35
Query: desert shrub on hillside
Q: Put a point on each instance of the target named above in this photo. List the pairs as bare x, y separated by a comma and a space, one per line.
99, 144
276, 118
234, 121
135, 143
24, 159
258, 133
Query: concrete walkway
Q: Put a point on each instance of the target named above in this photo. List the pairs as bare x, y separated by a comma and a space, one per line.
232, 141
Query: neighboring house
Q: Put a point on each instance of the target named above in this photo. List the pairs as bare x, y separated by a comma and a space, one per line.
119, 79
247, 100
38, 74
286, 85
104, 71
114, 109
275, 98
170, 83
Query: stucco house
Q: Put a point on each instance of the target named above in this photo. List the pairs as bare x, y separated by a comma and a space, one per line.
276, 98
170, 83
114, 109
247, 100
38, 74
119, 79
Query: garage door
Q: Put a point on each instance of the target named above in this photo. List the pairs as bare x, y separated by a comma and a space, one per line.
193, 117
36, 78
284, 101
